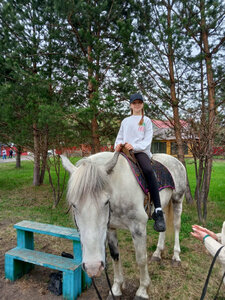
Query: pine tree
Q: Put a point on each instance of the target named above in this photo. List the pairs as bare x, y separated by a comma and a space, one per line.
32, 106
103, 50
202, 21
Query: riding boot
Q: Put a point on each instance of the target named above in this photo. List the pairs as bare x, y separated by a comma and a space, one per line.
158, 217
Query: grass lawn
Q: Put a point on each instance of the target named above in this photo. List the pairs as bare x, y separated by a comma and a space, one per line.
19, 200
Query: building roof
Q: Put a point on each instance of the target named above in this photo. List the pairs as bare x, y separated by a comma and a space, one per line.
167, 124
164, 130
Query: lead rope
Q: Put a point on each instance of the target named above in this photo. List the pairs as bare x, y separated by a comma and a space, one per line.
96, 289
109, 284
219, 286
106, 273
209, 273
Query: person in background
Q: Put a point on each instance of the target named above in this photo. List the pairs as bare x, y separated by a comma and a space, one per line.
136, 134
4, 154
212, 242
10, 153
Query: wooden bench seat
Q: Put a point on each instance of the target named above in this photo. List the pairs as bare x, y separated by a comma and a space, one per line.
18, 260
48, 229
21, 260
43, 259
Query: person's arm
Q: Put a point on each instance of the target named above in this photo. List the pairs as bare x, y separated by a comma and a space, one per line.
212, 246
219, 237
209, 238
147, 140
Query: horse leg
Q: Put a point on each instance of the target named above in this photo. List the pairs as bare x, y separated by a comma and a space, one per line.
177, 210
138, 232
165, 196
160, 247
118, 283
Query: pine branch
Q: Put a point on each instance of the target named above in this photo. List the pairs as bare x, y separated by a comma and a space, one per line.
218, 46
77, 34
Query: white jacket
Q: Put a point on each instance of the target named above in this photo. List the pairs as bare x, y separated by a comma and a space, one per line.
212, 246
139, 136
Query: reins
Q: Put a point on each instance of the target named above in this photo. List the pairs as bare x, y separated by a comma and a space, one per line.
109, 284
209, 274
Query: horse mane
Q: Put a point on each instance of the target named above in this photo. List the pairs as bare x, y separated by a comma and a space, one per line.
88, 179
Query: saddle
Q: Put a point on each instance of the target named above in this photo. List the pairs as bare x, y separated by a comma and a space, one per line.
163, 176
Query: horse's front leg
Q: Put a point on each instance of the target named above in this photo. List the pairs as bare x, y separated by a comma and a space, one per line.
118, 283
138, 232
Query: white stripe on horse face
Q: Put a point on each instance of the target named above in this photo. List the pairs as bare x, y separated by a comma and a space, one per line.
92, 220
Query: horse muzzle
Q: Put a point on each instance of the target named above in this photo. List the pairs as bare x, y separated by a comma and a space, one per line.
93, 269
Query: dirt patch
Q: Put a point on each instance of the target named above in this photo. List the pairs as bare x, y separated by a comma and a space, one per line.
34, 286
183, 283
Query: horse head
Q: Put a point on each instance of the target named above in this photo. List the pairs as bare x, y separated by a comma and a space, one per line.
89, 195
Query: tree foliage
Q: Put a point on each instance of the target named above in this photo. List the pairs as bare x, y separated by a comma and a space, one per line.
67, 68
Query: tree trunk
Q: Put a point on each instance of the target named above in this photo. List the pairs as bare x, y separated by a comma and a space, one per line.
95, 137
18, 156
94, 124
198, 188
174, 102
207, 177
44, 156
36, 175
210, 128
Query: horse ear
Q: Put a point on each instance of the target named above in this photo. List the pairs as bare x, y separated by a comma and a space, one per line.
67, 164
111, 164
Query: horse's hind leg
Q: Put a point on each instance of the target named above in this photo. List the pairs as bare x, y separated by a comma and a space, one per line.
177, 210
165, 196
160, 247
117, 267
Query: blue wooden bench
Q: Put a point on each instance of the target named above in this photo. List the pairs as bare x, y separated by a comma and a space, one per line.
21, 260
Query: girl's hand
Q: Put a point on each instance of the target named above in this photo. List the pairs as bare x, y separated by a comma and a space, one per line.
205, 230
118, 148
198, 234
128, 146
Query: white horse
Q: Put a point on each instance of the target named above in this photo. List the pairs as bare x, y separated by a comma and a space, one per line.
105, 196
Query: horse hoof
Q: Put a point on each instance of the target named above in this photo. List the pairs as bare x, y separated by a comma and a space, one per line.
140, 298
155, 258
176, 263
110, 297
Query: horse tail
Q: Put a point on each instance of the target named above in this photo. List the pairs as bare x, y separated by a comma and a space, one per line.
169, 219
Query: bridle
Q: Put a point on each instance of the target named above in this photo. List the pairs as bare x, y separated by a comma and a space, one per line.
106, 273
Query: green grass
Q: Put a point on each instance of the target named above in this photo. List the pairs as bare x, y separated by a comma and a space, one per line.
217, 185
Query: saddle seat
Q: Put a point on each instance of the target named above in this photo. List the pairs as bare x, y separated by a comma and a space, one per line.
164, 177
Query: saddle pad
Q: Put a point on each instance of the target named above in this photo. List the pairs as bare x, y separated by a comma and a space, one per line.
164, 178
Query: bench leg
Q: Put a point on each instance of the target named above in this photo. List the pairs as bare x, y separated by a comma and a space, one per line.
72, 284
15, 269
86, 280
77, 252
25, 239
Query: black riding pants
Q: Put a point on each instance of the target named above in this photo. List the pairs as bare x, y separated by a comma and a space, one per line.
145, 164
